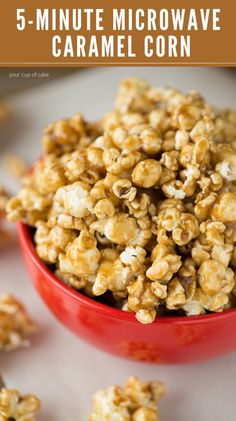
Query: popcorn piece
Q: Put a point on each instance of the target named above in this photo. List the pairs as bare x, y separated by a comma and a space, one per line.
104, 208
175, 296
186, 116
15, 324
186, 230
226, 165
121, 229
15, 407
123, 189
110, 403
183, 226
51, 242
165, 264
147, 173
49, 174
82, 256
132, 96
74, 165
29, 206
204, 205
211, 276
224, 209
190, 177
136, 401
181, 139
139, 206
222, 253
174, 189
75, 198
65, 135
142, 300
133, 257
201, 152
112, 275
151, 141
199, 255
116, 162
204, 127
215, 302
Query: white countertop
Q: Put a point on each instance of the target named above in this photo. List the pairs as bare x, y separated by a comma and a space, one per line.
59, 368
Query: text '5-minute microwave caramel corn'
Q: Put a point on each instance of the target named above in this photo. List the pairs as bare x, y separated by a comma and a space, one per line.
141, 204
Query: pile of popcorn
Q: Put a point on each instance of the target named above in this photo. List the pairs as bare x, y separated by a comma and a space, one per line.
136, 401
141, 204
15, 324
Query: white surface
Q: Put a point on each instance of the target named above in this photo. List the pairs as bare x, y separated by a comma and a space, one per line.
62, 370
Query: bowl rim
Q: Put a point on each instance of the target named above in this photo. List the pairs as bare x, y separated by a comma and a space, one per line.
27, 244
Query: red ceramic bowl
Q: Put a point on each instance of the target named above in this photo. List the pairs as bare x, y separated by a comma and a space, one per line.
167, 340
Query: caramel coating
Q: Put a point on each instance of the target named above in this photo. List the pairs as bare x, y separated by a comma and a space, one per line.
141, 204
135, 401
13, 406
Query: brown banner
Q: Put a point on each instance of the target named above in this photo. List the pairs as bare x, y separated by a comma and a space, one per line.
124, 32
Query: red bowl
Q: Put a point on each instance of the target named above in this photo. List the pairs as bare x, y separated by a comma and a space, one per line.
167, 340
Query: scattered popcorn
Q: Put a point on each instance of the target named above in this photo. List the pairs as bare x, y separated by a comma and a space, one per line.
135, 401
147, 173
15, 407
140, 205
15, 324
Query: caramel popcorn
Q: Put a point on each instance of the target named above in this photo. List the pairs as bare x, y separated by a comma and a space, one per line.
135, 401
4, 111
15, 324
15, 407
147, 173
3, 201
141, 206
